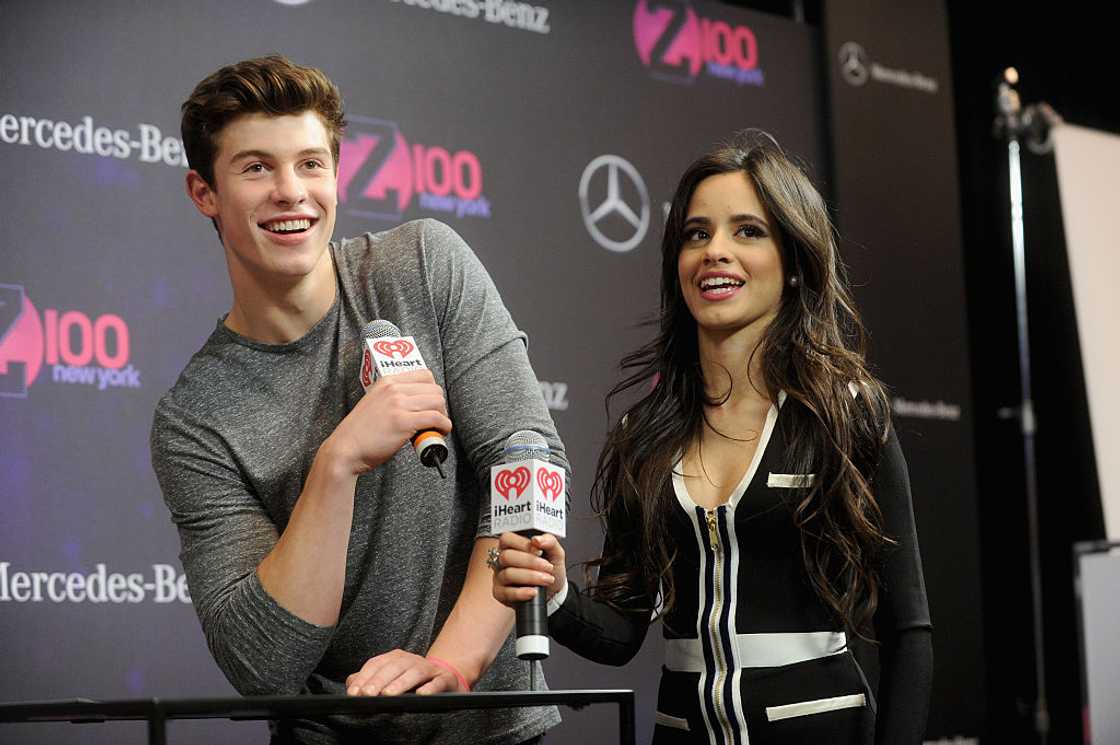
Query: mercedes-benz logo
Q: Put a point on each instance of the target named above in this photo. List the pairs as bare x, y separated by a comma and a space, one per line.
853, 63
614, 204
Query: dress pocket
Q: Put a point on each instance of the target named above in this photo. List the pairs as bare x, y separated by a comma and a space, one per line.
817, 706
791, 480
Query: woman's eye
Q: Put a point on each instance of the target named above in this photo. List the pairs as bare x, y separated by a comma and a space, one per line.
696, 234
751, 231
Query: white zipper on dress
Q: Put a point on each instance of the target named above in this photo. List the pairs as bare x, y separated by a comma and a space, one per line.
722, 668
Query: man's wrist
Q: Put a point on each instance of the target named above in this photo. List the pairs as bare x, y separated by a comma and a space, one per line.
439, 662
333, 460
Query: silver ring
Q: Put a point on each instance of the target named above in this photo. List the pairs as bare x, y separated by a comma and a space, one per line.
494, 558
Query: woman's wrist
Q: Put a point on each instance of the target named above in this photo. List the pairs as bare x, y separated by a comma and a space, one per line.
557, 599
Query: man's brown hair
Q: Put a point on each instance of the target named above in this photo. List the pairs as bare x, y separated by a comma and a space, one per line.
272, 85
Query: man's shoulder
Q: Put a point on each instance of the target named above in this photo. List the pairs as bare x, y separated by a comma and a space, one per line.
407, 243
208, 377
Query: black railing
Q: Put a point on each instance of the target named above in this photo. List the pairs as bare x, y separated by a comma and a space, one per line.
157, 711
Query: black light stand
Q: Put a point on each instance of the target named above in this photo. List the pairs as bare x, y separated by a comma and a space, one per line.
1032, 125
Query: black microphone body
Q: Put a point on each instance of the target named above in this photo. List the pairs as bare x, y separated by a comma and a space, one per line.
532, 622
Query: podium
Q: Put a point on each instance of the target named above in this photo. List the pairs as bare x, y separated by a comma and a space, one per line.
157, 711
1096, 569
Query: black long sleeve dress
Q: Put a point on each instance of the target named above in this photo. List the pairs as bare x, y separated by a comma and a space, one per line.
752, 653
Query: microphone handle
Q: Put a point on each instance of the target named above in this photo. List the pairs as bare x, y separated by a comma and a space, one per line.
532, 621
431, 448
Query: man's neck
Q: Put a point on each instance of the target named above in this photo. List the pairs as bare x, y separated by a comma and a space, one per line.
275, 314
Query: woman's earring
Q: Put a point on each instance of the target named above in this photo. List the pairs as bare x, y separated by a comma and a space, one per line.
794, 281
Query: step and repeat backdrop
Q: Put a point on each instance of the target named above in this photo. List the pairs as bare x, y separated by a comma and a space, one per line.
549, 134
894, 159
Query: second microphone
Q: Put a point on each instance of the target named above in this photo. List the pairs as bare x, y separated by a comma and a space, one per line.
528, 496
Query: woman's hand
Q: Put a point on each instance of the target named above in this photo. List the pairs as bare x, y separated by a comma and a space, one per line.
524, 564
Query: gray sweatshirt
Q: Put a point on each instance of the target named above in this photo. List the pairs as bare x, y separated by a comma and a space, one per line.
233, 441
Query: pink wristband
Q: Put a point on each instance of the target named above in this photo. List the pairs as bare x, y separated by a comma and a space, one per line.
451, 669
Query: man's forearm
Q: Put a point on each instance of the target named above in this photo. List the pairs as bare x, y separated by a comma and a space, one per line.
478, 624
306, 569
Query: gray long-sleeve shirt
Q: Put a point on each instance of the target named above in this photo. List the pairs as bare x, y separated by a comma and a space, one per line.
233, 441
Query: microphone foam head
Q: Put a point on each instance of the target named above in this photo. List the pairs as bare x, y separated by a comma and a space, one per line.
380, 329
526, 444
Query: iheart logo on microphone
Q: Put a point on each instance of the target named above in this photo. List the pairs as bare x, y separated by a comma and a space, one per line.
69, 341
550, 483
396, 348
366, 375
512, 480
390, 356
526, 496
676, 43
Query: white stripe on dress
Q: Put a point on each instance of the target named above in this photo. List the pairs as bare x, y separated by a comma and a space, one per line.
819, 706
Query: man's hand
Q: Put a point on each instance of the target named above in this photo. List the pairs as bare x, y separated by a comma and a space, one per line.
400, 672
393, 409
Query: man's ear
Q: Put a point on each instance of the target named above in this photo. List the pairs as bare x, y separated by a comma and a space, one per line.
202, 194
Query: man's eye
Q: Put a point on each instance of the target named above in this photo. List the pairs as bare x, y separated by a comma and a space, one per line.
254, 168
314, 164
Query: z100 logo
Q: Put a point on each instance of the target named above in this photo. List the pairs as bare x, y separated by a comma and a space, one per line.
69, 341
676, 43
379, 173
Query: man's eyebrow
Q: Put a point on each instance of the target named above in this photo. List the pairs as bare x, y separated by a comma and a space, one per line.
265, 154
250, 154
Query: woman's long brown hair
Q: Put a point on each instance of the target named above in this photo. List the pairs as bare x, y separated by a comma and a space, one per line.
813, 350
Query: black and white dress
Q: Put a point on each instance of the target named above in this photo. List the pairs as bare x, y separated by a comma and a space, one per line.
752, 653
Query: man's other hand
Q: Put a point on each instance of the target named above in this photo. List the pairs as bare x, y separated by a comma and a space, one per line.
398, 672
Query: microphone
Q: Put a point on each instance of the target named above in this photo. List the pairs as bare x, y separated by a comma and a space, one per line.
386, 352
527, 497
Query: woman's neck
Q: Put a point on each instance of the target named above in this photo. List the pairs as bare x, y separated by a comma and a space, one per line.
732, 365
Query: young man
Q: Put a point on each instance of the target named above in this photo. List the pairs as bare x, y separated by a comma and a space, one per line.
321, 555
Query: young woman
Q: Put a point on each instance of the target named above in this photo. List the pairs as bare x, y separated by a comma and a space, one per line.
755, 498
